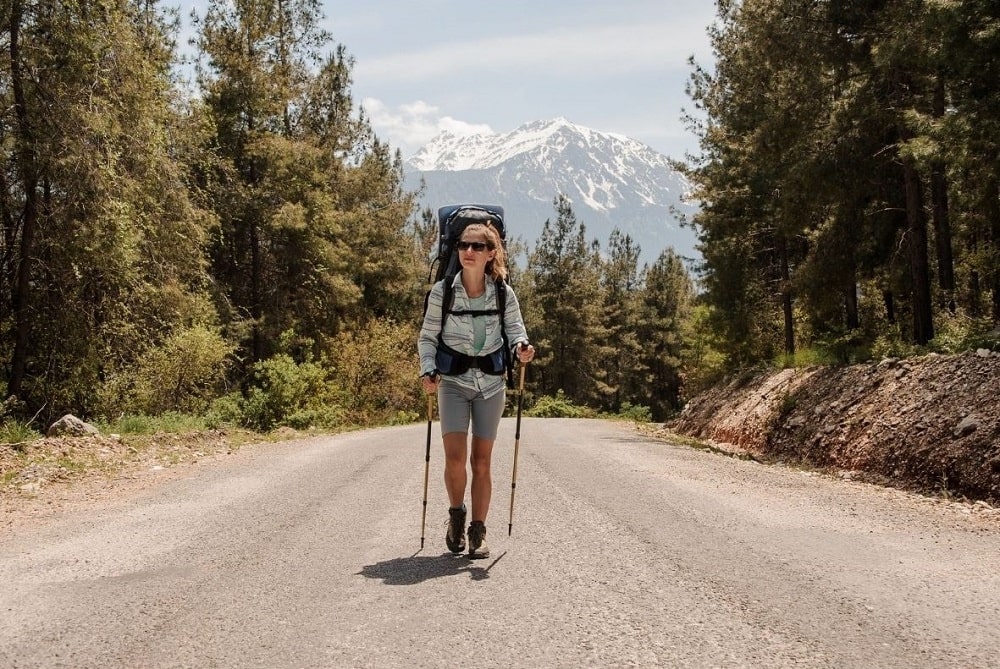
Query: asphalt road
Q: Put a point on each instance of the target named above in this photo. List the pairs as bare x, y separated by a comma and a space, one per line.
625, 552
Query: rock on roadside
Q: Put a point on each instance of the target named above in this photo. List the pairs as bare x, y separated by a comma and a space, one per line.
71, 426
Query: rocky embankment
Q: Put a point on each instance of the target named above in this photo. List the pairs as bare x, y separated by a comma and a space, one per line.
930, 423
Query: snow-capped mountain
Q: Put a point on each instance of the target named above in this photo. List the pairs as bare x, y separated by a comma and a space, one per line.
611, 180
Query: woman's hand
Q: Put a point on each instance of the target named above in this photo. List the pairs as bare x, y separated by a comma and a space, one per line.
430, 383
525, 353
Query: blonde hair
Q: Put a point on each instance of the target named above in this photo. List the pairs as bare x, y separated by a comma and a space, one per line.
496, 268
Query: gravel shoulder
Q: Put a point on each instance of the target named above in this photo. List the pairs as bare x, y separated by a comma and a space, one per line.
55, 475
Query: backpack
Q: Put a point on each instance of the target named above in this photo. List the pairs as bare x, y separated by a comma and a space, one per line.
452, 221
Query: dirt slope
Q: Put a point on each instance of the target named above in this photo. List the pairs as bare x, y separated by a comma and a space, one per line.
930, 424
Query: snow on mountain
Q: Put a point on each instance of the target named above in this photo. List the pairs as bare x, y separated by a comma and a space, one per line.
612, 181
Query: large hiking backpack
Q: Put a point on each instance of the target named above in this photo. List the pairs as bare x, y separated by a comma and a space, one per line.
452, 221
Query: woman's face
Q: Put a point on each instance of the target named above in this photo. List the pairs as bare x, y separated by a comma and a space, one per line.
474, 250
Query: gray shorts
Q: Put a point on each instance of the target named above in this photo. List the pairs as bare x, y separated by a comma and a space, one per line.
457, 404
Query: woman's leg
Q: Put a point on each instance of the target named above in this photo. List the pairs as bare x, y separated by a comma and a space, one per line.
482, 479
454, 409
455, 475
486, 413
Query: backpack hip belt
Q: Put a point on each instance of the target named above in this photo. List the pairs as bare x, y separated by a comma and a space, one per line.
450, 362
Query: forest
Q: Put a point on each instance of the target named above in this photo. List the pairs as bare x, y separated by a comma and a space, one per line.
239, 247
849, 178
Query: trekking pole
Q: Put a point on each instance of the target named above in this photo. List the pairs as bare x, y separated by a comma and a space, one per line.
517, 442
427, 466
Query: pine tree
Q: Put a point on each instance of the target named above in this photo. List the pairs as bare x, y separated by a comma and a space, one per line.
307, 197
624, 367
838, 149
969, 137
102, 247
567, 292
666, 300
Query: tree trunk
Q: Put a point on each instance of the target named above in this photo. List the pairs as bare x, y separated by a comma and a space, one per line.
256, 296
10, 231
942, 234
992, 211
996, 296
942, 223
853, 319
975, 291
890, 306
855, 222
27, 165
974, 301
916, 232
786, 297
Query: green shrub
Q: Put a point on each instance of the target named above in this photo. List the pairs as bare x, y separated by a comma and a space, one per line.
808, 357
226, 411
15, 432
640, 414
324, 418
129, 424
376, 372
183, 374
298, 395
404, 417
957, 332
169, 421
889, 343
285, 392
703, 359
558, 407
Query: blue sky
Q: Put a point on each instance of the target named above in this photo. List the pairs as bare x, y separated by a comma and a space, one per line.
619, 66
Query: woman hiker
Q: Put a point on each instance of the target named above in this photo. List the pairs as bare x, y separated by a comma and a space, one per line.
466, 370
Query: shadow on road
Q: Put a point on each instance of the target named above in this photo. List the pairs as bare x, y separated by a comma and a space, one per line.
419, 568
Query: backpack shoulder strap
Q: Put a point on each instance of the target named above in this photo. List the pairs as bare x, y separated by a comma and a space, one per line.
447, 301
501, 297
502, 309
448, 298
447, 295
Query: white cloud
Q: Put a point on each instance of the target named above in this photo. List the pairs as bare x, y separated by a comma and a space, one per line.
462, 128
604, 50
412, 125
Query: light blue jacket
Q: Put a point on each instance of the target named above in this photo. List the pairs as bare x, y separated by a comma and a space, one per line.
458, 333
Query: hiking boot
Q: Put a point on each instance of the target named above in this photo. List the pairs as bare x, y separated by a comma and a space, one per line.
455, 536
477, 541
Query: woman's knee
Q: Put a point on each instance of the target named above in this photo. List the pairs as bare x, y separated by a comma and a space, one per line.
480, 460
455, 449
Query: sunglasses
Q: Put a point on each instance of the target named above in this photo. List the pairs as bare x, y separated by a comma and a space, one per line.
479, 247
